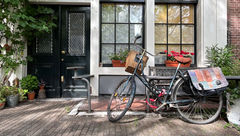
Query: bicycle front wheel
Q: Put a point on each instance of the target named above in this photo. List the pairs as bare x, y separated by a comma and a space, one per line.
194, 108
121, 99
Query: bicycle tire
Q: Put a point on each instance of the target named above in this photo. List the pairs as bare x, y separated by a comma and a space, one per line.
206, 108
129, 86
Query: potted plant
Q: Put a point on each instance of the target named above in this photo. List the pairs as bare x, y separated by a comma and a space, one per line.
171, 61
119, 59
2, 100
30, 83
11, 95
22, 94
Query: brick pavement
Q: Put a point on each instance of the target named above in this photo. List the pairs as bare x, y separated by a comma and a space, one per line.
49, 118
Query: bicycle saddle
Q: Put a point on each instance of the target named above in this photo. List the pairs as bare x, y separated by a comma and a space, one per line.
183, 60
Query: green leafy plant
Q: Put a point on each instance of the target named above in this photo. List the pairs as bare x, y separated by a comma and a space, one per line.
2, 98
223, 57
9, 90
29, 83
22, 94
20, 23
122, 55
220, 57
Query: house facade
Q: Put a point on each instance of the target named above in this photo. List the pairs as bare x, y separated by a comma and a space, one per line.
88, 31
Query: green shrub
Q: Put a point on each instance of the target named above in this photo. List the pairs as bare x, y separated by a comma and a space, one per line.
224, 58
9, 90
22, 94
29, 83
2, 98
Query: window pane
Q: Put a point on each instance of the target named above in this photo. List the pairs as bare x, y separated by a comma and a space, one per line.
174, 34
175, 48
161, 14
108, 13
160, 59
188, 34
190, 49
122, 13
135, 48
107, 50
187, 14
136, 13
135, 30
107, 33
122, 33
174, 14
120, 47
160, 34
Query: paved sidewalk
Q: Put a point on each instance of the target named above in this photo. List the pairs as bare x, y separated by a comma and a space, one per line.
49, 118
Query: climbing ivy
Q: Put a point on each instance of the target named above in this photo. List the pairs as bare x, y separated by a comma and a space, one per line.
20, 22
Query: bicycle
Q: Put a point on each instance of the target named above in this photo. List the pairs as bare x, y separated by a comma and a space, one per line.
193, 106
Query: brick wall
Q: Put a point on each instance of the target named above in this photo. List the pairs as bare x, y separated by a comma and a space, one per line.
234, 25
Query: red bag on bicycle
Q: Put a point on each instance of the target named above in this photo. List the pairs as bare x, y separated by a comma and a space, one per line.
208, 79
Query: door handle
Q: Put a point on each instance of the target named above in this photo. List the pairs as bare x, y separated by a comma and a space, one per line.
63, 52
62, 79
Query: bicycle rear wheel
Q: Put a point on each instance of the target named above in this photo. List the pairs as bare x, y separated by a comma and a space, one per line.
121, 99
198, 109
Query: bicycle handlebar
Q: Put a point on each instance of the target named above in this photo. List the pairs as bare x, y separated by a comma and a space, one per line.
138, 37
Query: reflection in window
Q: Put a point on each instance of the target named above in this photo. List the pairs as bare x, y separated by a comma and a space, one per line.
120, 23
174, 29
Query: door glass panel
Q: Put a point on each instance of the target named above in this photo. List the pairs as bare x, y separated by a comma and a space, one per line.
135, 29
161, 14
107, 50
174, 34
161, 34
188, 14
136, 13
44, 44
122, 13
107, 33
174, 14
76, 35
122, 33
187, 34
108, 15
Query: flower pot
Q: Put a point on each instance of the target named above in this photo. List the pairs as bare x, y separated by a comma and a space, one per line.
31, 95
118, 63
41, 93
2, 105
170, 63
12, 100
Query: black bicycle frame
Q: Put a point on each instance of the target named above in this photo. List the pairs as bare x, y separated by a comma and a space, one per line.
143, 79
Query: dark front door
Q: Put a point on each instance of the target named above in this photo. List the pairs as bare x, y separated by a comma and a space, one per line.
65, 51
75, 49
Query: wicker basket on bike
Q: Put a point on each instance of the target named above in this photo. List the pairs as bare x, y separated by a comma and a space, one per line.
132, 62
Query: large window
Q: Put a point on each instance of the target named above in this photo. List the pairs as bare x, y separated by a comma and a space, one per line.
120, 23
174, 29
